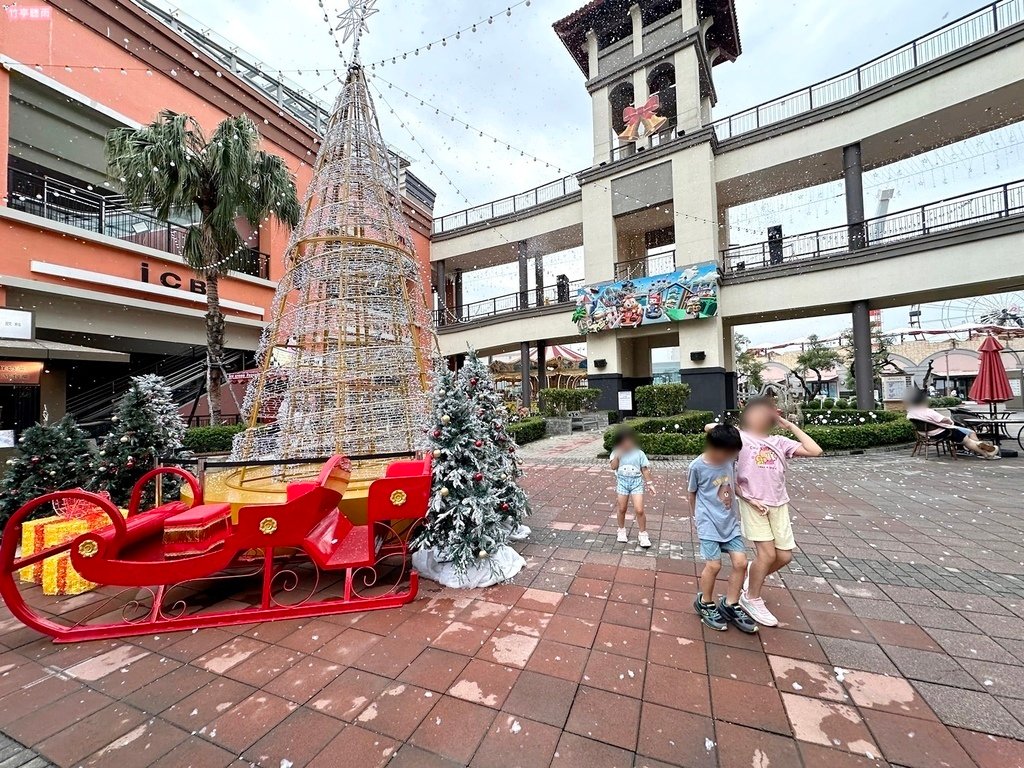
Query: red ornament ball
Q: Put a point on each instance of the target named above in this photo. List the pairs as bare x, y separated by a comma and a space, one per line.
474, 381
437, 433
479, 443
504, 507
35, 459
478, 476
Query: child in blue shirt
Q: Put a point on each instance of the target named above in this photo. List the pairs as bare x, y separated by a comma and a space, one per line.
712, 495
632, 476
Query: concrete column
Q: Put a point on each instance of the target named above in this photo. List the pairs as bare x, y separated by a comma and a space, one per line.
538, 279
853, 172
638, 30
524, 275
542, 361
862, 368
524, 362
441, 286
458, 294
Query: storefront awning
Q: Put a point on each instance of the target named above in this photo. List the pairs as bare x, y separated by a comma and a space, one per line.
55, 350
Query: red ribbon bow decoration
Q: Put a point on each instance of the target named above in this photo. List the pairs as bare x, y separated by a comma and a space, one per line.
633, 115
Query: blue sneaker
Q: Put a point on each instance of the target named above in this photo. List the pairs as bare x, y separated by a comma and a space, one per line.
709, 614
734, 614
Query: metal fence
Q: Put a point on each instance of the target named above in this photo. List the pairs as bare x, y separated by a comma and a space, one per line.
954, 36
521, 202
78, 206
550, 295
655, 264
972, 208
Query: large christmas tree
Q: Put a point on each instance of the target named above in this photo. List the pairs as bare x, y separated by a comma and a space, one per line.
50, 458
464, 541
502, 454
146, 428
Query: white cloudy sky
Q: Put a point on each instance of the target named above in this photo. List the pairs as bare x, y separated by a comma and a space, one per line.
514, 79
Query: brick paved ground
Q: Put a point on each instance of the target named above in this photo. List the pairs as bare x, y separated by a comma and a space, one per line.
901, 645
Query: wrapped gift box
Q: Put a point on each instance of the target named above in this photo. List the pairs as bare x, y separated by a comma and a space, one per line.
197, 530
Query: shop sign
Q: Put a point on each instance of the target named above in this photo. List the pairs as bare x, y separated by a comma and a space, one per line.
16, 324
20, 373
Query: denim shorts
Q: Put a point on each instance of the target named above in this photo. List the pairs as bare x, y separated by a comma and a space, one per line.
712, 550
627, 486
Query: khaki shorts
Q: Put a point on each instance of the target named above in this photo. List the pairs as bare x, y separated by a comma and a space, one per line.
775, 526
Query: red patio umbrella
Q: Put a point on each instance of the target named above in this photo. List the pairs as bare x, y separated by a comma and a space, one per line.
992, 384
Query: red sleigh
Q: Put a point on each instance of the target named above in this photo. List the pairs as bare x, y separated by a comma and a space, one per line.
167, 568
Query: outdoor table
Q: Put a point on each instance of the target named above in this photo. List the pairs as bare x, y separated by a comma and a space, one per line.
996, 428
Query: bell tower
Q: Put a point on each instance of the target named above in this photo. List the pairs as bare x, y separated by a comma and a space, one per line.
649, 200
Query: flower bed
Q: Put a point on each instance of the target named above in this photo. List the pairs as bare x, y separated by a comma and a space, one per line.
839, 417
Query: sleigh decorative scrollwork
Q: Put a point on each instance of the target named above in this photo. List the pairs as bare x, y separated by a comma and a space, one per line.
167, 568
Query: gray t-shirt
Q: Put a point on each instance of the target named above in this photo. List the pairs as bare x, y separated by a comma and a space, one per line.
715, 487
631, 464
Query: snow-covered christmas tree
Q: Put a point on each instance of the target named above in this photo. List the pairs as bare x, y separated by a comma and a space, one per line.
464, 540
503, 460
51, 457
146, 428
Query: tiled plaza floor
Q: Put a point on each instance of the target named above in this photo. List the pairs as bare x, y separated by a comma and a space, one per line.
901, 644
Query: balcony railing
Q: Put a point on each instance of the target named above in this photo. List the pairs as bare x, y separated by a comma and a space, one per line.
79, 207
954, 36
513, 204
550, 295
645, 266
988, 204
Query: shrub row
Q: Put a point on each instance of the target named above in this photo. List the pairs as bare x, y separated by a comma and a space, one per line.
211, 439
661, 399
944, 402
556, 402
528, 430
837, 417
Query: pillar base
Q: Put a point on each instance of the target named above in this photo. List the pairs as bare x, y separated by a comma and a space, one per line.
711, 389
610, 385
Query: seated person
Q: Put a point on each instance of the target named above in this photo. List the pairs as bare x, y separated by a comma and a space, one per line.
942, 427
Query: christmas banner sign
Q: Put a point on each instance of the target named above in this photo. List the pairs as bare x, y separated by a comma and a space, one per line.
686, 294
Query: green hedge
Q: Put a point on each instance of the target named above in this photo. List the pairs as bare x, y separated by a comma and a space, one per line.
862, 436
684, 425
837, 417
211, 439
661, 399
528, 430
944, 402
555, 402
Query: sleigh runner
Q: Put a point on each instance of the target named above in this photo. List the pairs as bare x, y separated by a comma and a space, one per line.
166, 568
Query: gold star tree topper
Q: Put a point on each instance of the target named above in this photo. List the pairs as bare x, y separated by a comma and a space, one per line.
353, 22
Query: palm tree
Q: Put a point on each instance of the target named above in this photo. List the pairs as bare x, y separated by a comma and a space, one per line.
171, 168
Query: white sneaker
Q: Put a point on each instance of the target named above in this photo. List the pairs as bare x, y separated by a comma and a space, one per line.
746, 579
643, 539
622, 538
758, 610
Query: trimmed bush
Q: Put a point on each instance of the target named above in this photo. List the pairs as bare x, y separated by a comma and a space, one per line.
661, 399
944, 402
215, 439
682, 423
557, 402
862, 436
843, 404
828, 402
812, 405
836, 417
528, 430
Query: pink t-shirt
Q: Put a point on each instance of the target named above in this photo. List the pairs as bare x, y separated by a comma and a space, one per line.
761, 468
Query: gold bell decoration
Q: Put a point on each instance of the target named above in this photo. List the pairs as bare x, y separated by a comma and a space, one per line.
646, 114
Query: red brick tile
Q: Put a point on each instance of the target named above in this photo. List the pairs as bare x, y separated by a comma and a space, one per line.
640, 576
381, 622
558, 660
36, 695
310, 637
223, 658
739, 746
541, 697
169, 689
540, 600
244, 724
677, 582
677, 689
482, 682
482, 613
604, 716
192, 645
635, 594
815, 755
904, 635
356, 746
990, 751
31, 728
304, 679
618, 674
297, 739
435, 669
628, 615
578, 752
738, 664
572, 630
205, 704
590, 570
588, 587
409, 756
506, 594
795, 645
625, 641
828, 723
140, 746
196, 752
886, 693
70, 745
462, 638
390, 656
807, 679
755, 706
678, 652
348, 646
589, 608
516, 741
349, 694
837, 625
398, 711
453, 728
931, 745
674, 737
524, 622
678, 623
264, 665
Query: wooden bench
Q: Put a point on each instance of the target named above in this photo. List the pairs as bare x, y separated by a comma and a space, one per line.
585, 420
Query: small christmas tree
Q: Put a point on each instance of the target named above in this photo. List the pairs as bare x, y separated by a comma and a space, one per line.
502, 454
50, 458
146, 427
464, 541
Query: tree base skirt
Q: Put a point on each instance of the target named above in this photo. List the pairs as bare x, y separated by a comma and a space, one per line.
520, 533
498, 568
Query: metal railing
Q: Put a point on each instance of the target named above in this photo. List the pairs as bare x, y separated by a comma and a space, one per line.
550, 295
972, 208
645, 266
506, 205
954, 36
77, 206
